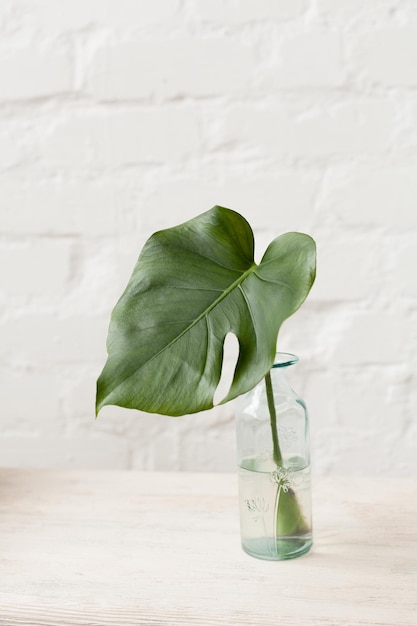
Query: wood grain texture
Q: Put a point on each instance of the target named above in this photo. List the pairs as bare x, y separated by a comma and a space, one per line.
125, 548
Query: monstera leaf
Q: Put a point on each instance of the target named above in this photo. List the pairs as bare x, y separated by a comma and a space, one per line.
192, 285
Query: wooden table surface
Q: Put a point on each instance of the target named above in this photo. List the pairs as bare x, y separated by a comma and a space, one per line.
129, 548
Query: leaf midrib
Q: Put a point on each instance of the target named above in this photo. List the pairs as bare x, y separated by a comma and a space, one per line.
204, 313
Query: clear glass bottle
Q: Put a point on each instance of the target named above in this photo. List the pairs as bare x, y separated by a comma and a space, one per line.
274, 467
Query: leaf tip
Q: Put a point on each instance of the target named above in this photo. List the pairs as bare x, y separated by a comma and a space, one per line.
97, 409
100, 400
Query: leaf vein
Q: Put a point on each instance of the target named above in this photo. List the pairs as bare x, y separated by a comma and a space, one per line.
202, 315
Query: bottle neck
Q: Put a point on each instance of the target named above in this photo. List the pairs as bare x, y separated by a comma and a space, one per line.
279, 378
284, 360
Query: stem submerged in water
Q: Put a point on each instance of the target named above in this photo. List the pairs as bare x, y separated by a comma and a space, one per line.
288, 517
277, 456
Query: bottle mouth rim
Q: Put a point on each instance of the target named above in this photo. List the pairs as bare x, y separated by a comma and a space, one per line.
284, 359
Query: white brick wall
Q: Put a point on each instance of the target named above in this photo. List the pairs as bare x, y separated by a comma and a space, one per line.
27, 72
121, 117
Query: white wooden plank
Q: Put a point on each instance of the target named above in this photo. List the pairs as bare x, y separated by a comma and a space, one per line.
147, 548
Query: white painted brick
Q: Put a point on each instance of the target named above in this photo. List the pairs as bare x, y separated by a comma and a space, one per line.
189, 197
303, 117
402, 454
126, 12
31, 73
356, 454
212, 444
52, 17
372, 338
307, 59
117, 139
404, 281
165, 452
409, 127
384, 198
141, 428
10, 152
317, 391
101, 270
78, 390
34, 268
301, 333
31, 398
78, 399
63, 452
348, 270
42, 339
87, 208
241, 11
387, 56
174, 68
363, 127
345, 12
370, 405
280, 203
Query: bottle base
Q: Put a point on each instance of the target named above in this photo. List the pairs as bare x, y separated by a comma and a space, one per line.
270, 549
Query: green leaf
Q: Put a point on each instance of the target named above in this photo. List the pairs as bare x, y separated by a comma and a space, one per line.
290, 520
192, 285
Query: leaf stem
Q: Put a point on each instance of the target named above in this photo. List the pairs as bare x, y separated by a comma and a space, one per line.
277, 456
276, 505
